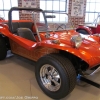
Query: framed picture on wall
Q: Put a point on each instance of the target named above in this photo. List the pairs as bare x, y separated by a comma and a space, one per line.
77, 8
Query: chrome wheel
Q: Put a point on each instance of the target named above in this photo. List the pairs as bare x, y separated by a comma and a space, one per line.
55, 75
50, 77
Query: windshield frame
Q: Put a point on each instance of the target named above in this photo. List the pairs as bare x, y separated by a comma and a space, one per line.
56, 12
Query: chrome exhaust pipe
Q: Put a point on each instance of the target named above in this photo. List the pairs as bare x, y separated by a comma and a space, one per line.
95, 71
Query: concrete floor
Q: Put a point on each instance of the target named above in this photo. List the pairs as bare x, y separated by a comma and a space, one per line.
17, 82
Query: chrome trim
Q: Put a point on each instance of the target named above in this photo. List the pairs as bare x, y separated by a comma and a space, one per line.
50, 77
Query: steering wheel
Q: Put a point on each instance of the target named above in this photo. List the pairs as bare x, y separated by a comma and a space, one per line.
61, 26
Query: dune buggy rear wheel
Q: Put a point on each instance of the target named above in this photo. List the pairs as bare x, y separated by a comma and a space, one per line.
55, 75
3, 49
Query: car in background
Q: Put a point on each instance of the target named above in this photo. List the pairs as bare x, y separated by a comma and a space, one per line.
93, 28
60, 55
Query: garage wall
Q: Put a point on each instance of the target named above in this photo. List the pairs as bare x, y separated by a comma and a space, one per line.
27, 16
76, 20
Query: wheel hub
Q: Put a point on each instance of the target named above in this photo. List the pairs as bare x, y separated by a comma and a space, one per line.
50, 77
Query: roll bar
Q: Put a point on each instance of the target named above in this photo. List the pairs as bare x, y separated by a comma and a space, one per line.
18, 9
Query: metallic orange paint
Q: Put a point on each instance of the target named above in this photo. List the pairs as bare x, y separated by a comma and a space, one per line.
89, 51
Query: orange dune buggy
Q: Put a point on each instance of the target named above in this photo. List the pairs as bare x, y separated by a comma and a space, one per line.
61, 55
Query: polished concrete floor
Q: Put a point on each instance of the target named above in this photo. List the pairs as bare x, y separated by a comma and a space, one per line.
17, 82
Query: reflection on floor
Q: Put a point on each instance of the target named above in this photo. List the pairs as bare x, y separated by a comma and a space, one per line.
17, 81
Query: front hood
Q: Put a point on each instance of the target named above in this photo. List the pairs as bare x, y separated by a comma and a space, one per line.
89, 50
65, 37
89, 43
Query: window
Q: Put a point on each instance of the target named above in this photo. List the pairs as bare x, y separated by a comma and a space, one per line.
55, 5
5, 5
92, 10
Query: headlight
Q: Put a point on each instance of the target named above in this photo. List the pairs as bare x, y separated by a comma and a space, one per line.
76, 40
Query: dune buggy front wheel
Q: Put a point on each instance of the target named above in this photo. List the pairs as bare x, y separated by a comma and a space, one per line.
55, 75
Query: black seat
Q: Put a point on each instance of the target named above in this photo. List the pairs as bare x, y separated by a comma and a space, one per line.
26, 33
26, 25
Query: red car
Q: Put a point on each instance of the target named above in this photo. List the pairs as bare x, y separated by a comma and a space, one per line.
88, 29
94, 28
60, 55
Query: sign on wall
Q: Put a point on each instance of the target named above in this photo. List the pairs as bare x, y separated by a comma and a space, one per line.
77, 8
28, 3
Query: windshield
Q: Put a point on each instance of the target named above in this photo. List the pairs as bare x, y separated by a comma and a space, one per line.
51, 21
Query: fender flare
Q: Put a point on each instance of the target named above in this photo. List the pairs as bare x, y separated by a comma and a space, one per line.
78, 52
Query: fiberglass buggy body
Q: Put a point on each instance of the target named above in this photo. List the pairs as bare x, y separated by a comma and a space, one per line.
60, 55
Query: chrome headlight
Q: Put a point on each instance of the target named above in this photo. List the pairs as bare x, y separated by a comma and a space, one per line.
76, 40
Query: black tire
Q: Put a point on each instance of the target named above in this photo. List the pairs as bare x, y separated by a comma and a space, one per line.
3, 49
83, 32
66, 71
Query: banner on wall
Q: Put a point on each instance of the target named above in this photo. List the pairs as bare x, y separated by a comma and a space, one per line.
28, 3
77, 8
